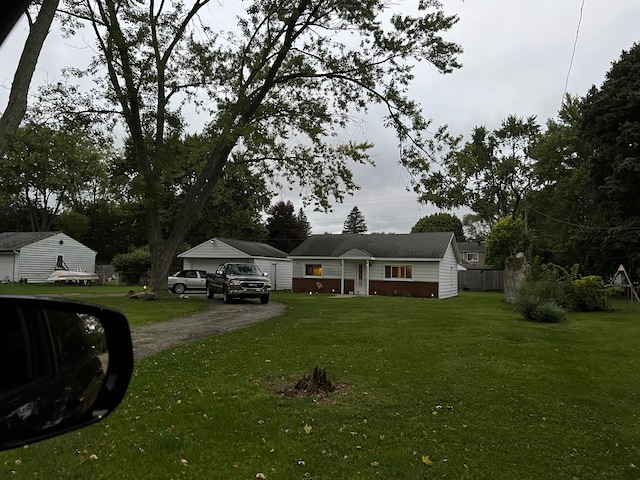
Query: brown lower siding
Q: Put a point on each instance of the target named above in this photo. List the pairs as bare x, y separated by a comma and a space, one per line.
376, 287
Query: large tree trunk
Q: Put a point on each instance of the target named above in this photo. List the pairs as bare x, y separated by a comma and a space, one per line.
163, 250
17, 105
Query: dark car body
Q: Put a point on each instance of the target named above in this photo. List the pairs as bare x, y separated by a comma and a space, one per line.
239, 280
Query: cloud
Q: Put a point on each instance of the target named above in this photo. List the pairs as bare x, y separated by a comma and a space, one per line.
517, 56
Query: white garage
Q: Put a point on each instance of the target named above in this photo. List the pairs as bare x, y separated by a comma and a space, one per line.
208, 255
33, 256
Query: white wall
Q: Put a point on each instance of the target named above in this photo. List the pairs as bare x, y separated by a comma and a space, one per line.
448, 278
38, 260
280, 272
7, 267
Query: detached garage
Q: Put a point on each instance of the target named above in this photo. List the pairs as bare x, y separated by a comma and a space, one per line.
34, 256
208, 255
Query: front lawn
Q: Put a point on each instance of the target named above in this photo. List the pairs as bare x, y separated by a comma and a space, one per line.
138, 312
458, 388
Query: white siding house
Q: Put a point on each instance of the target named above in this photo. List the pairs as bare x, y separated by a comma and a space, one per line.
208, 255
415, 264
33, 256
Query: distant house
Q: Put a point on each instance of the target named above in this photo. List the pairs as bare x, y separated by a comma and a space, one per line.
414, 264
473, 254
34, 256
208, 255
477, 275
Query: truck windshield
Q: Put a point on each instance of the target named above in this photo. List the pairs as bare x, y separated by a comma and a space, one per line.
244, 270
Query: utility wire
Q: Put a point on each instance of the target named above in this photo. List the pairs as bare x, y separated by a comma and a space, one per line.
587, 227
573, 53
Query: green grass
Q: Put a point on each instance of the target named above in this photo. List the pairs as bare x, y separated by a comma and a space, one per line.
465, 381
138, 312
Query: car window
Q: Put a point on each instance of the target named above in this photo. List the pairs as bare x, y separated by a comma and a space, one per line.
13, 351
190, 274
66, 329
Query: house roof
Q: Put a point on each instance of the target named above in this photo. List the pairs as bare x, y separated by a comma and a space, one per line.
411, 245
479, 247
10, 241
252, 249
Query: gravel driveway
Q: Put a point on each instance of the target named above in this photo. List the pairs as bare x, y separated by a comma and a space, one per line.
220, 318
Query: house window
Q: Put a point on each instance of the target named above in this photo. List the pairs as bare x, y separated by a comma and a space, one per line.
472, 256
397, 271
312, 270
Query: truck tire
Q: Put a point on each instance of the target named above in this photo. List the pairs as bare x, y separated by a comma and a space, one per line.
179, 288
225, 296
264, 299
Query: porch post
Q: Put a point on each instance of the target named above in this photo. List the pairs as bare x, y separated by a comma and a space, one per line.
367, 287
342, 276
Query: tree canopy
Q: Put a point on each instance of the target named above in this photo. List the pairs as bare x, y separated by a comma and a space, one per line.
278, 89
440, 222
491, 173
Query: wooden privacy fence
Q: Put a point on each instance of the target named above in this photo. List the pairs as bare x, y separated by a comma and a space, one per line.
481, 280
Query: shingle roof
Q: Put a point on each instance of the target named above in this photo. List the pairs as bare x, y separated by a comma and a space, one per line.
472, 246
254, 249
410, 245
10, 241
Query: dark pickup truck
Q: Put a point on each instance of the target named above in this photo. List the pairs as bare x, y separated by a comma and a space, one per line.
238, 280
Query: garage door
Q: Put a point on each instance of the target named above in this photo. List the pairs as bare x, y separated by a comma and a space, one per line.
6, 268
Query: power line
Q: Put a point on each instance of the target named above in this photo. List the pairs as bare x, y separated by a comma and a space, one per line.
578, 225
573, 53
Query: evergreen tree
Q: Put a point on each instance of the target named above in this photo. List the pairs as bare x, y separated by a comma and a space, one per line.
304, 223
286, 230
354, 222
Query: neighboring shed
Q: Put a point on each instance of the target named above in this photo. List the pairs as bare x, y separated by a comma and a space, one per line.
208, 255
33, 256
414, 264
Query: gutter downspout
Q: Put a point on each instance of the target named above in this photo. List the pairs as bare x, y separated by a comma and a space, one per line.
342, 276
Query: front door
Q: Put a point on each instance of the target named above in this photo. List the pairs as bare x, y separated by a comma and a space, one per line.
361, 279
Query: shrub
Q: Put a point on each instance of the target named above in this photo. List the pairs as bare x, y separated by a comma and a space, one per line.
588, 294
133, 265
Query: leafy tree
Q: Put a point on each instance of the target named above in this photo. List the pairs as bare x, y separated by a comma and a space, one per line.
294, 70
235, 208
440, 222
355, 222
490, 174
286, 230
47, 169
611, 126
507, 238
475, 228
111, 227
17, 103
562, 206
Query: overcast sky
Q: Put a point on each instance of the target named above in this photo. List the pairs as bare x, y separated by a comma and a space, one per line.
517, 60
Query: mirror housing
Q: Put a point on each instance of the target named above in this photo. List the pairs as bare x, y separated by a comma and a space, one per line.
63, 365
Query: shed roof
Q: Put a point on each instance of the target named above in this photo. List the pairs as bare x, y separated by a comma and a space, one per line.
10, 241
430, 245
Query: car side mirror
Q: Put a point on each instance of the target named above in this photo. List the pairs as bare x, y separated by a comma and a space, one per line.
63, 365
